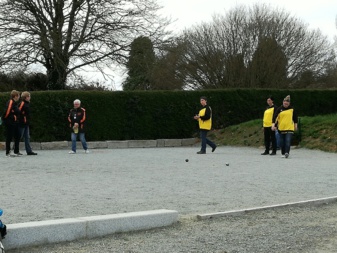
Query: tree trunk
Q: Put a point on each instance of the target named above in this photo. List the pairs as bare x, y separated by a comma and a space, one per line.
57, 77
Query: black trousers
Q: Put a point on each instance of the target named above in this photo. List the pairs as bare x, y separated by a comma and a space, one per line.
269, 136
12, 132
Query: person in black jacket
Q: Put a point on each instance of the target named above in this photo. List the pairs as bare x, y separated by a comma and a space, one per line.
25, 121
11, 122
77, 117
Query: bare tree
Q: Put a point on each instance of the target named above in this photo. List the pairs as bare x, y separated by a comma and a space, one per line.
220, 54
66, 35
165, 74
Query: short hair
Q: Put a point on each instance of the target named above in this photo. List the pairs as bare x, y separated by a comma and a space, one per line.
287, 98
25, 94
204, 98
14, 93
271, 98
77, 101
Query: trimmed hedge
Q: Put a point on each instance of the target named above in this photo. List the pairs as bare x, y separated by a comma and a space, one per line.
136, 115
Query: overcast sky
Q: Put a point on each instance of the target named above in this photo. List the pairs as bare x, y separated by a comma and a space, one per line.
317, 14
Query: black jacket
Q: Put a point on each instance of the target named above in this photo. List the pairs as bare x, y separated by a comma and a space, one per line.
77, 116
24, 113
12, 113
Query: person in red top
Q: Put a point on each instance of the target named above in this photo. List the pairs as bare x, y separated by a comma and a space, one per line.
11, 122
77, 117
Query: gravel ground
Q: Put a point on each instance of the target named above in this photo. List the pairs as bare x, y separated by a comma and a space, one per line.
301, 229
54, 185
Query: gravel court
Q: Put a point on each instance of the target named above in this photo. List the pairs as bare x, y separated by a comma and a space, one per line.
56, 185
282, 230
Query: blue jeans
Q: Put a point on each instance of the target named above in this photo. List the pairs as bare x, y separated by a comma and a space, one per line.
277, 136
285, 142
24, 133
82, 139
204, 140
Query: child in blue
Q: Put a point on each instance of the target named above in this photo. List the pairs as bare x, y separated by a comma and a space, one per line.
2, 227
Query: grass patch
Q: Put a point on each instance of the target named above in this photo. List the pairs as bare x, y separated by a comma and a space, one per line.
317, 132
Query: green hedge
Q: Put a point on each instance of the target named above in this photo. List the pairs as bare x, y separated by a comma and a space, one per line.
123, 115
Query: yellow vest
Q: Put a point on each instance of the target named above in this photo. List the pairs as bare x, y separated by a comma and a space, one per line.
268, 117
285, 120
205, 124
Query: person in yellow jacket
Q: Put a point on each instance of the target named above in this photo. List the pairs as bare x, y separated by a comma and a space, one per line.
286, 118
269, 134
205, 124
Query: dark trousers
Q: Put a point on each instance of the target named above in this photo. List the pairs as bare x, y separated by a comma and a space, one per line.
269, 136
12, 132
204, 140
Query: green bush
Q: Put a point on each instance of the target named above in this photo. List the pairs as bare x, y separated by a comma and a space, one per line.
123, 115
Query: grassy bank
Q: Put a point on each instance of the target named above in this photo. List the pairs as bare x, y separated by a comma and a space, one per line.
319, 132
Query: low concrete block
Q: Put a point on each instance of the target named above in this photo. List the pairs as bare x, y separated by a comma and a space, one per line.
97, 144
142, 143
29, 234
42, 232
35, 146
161, 143
54, 145
109, 224
172, 142
188, 142
78, 146
118, 144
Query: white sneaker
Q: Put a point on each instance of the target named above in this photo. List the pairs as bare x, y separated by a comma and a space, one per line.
86, 151
282, 156
72, 152
286, 155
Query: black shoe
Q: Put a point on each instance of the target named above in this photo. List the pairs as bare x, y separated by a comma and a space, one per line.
273, 153
201, 152
32, 153
214, 148
265, 153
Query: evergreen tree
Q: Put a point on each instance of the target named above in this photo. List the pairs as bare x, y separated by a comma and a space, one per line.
140, 65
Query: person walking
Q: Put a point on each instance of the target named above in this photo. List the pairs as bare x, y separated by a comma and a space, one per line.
11, 122
205, 124
24, 121
286, 118
77, 118
269, 134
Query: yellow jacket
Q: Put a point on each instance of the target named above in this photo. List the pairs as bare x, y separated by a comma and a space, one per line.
205, 120
268, 116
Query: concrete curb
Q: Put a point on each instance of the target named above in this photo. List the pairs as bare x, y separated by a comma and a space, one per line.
28, 234
244, 211
110, 144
